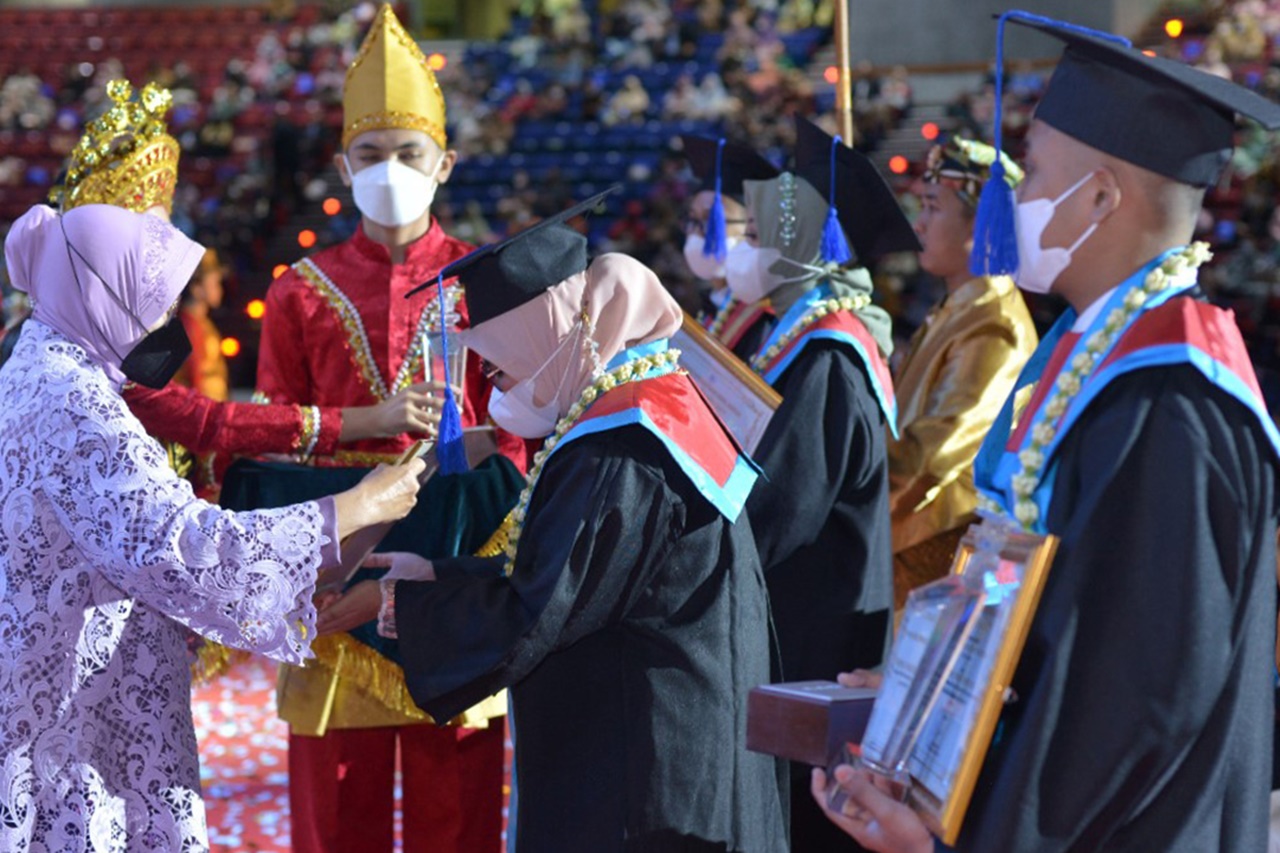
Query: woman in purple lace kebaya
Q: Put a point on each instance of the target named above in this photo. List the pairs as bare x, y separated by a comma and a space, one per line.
107, 558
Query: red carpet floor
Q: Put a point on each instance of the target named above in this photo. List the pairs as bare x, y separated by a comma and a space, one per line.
244, 761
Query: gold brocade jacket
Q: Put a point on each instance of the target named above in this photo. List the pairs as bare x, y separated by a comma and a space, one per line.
960, 366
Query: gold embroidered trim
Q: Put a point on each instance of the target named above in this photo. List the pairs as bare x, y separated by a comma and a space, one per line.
180, 459
367, 671
358, 459
358, 339
497, 543
212, 660
310, 433
394, 119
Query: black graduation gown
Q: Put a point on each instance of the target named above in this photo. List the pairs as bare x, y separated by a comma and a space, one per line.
821, 516
630, 631
821, 520
1144, 718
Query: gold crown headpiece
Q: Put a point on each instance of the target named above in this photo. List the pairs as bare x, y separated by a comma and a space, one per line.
126, 156
390, 84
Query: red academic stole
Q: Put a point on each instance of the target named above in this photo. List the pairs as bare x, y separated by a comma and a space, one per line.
742, 318
673, 410
1182, 330
845, 327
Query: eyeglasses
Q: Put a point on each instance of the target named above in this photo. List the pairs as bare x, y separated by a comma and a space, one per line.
489, 370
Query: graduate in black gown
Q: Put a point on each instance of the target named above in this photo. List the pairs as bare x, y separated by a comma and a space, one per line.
629, 617
722, 167
821, 513
1143, 717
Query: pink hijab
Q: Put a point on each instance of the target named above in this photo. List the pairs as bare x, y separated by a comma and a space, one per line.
143, 259
625, 304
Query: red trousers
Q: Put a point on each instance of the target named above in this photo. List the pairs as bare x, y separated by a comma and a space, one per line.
342, 789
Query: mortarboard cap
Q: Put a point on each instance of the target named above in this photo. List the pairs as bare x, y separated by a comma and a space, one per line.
1156, 113
738, 163
864, 205
726, 166
504, 275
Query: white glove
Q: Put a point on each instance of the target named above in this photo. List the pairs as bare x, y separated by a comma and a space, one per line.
404, 566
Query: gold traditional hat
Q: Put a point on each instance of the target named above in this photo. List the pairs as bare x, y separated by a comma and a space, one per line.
126, 157
966, 165
390, 85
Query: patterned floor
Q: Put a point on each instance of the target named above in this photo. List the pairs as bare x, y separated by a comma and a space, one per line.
243, 761
243, 752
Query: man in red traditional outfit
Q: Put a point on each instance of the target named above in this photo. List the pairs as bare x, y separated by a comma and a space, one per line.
339, 331
139, 172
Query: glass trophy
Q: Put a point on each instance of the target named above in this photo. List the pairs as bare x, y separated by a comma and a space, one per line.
935, 624
950, 673
433, 345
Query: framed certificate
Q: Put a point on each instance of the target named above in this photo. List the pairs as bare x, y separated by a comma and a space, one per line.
946, 681
741, 399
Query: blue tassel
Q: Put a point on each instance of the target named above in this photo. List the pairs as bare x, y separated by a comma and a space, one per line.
451, 452
835, 248
995, 242
715, 243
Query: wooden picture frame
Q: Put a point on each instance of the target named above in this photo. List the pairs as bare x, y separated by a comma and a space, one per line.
946, 679
742, 399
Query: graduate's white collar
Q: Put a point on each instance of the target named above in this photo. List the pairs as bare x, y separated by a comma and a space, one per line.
1088, 315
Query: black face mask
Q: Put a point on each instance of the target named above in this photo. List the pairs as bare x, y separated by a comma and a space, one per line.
158, 356
155, 359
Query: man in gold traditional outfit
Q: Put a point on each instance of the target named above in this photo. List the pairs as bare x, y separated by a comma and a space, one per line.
960, 365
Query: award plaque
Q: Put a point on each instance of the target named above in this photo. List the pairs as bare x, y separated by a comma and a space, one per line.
947, 677
741, 399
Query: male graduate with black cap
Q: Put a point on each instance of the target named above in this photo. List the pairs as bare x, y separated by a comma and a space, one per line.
717, 222
821, 512
1143, 710
629, 615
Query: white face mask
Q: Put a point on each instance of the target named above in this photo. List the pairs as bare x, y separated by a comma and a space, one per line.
746, 270
518, 413
1038, 267
705, 267
393, 194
